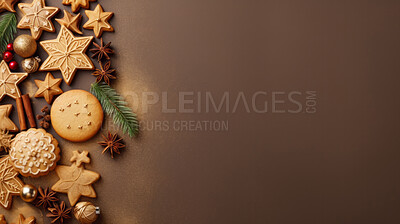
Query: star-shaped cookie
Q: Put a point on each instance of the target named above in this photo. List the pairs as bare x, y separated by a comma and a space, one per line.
71, 22
48, 88
9, 81
67, 54
23, 220
37, 17
7, 5
98, 21
75, 180
77, 4
10, 184
80, 158
5, 122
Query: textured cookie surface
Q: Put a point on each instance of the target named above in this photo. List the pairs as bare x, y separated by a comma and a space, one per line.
10, 184
34, 153
76, 115
37, 17
75, 180
67, 54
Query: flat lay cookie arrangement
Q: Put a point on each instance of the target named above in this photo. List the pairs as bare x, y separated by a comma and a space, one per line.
29, 146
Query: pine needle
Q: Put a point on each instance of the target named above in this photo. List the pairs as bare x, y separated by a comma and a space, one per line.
115, 106
8, 28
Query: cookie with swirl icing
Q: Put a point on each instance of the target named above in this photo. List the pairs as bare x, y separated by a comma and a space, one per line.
34, 153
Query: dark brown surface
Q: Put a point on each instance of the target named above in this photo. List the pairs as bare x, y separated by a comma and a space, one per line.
340, 165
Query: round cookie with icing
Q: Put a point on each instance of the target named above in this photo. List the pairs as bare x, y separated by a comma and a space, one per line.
34, 153
76, 115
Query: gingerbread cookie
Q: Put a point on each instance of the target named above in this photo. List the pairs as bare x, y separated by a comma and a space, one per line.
10, 184
2, 219
9, 81
67, 54
7, 5
48, 88
37, 17
76, 115
5, 122
34, 153
71, 22
5, 140
23, 220
75, 180
98, 21
77, 4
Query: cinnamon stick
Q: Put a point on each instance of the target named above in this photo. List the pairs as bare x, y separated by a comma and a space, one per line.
28, 110
21, 114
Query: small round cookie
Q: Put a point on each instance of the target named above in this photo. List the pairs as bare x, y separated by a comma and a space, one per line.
76, 115
34, 153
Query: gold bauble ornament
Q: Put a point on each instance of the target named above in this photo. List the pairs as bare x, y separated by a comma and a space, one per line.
25, 46
86, 212
28, 193
30, 65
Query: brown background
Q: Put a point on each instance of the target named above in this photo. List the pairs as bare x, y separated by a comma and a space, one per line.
340, 165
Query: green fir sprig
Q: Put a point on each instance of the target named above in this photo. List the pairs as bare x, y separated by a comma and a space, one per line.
116, 107
8, 28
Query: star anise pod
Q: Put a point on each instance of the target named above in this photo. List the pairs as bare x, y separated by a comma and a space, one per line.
112, 143
59, 212
105, 73
101, 50
46, 198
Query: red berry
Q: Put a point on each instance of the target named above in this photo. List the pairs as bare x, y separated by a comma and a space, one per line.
8, 56
13, 65
10, 47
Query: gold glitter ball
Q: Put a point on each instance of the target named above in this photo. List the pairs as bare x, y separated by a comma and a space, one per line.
25, 46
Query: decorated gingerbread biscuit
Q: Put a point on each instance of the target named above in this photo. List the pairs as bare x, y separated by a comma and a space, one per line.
10, 184
34, 153
67, 54
76, 115
9, 82
37, 17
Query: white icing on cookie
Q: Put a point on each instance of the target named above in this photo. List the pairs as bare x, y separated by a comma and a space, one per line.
33, 152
